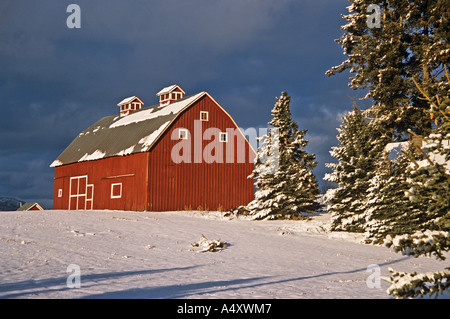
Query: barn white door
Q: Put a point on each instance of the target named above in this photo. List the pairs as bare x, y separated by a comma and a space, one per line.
89, 196
81, 194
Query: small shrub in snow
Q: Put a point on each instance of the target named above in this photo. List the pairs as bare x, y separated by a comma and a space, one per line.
206, 245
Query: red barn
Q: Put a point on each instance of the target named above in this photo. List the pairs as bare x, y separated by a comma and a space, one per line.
184, 153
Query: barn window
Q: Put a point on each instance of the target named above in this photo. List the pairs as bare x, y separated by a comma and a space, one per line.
223, 137
116, 190
182, 134
60, 192
203, 116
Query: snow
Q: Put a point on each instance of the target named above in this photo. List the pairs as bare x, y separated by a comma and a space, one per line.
149, 255
127, 151
403, 281
94, 156
56, 163
127, 100
167, 89
152, 113
397, 146
148, 140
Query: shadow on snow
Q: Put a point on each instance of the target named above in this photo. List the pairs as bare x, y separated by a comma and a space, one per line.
35, 288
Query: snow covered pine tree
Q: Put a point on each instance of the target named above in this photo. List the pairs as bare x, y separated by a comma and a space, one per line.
387, 207
412, 39
359, 150
285, 184
427, 230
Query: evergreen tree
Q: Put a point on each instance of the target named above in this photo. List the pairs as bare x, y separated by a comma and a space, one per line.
357, 154
285, 183
413, 39
427, 230
387, 207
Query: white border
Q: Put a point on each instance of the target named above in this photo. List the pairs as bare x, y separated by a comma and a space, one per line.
90, 200
223, 134
77, 194
112, 187
186, 133
207, 116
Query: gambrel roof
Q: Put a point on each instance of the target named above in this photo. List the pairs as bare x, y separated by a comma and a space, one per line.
116, 135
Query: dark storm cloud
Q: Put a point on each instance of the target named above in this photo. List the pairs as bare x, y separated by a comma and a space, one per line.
56, 81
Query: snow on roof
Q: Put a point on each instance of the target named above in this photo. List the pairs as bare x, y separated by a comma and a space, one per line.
147, 141
56, 163
90, 157
169, 89
149, 114
119, 136
129, 100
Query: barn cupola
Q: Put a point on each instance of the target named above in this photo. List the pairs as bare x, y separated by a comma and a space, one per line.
170, 94
129, 105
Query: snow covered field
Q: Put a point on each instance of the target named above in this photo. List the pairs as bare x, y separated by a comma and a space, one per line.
149, 255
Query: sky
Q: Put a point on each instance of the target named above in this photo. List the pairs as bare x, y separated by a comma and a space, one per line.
56, 81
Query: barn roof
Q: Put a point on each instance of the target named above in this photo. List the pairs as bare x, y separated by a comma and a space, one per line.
116, 136
169, 89
129, 100
29, 206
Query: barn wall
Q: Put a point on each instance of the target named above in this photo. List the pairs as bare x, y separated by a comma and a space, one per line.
207, 186
129, 170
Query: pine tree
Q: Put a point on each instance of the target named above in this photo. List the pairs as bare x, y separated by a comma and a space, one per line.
427, 230
285, 183
357, 154
387, 207
413, 39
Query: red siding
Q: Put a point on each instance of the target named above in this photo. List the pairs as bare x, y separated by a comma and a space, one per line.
129, 170
153, 181
198, 185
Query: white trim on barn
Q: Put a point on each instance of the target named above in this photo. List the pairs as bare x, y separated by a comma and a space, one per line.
76, 195
183, 134
223, 137
113, 192
204, 116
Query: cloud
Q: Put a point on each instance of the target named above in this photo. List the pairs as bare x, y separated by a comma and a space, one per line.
56, 81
